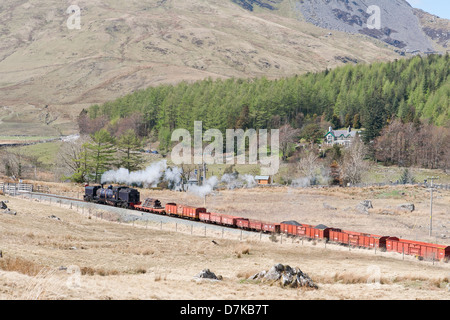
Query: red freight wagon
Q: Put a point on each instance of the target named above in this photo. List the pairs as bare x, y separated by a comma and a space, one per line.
357, 239
228, 220
216, 218
373, 241
415, 248
304, 230
320, 232
271, 227
205, 217
255, 225
339, 236
192, 212
171, 209
243, 223
289, 227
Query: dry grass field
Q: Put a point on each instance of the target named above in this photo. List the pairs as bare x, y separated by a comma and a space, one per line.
82, 257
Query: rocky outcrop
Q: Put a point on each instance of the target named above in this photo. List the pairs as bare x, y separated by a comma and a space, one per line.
407, 207
286, 277
4, 209
207, 275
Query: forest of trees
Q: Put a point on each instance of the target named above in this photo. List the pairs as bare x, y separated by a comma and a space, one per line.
88, 158
416, 89
402, 106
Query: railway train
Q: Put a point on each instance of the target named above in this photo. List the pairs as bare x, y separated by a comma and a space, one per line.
123, 197
129, 198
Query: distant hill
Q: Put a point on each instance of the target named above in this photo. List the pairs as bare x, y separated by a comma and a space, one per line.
48, 72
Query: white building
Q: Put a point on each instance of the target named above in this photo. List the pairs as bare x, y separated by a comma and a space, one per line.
341, 137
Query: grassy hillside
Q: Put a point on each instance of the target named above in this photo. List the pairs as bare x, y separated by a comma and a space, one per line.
48, 73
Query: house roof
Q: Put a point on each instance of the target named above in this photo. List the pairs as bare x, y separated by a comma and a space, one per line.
262, 177
342, 133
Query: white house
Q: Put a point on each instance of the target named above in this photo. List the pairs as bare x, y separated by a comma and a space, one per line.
341, 137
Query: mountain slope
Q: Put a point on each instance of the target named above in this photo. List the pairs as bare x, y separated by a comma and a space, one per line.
400, 25
48, 71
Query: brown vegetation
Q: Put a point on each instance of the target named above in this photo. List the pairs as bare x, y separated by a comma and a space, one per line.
108, 260
414, 144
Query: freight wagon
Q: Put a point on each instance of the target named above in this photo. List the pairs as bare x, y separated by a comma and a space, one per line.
419, 249
130, 198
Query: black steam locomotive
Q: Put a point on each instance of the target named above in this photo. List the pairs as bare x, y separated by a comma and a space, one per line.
124, 197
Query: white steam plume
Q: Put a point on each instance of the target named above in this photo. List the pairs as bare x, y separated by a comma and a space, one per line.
206, 188
149, 177
234, 181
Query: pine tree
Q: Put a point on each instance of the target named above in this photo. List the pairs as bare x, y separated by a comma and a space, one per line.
82, 172
356, 121
101, 153
129, 146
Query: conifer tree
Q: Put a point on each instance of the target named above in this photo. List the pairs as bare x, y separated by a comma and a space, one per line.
101, 154
129, 146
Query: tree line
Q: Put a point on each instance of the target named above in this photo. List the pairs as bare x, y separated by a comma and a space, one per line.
369, 96
409, 144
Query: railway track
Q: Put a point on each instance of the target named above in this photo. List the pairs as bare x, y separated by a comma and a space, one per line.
131, 216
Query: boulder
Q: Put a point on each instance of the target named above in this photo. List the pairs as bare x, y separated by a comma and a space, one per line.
364, 206
367, 204
285, 276
407, 207
207, 274
328, 207
8, 211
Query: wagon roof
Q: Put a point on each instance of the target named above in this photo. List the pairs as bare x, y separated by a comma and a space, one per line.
292, 223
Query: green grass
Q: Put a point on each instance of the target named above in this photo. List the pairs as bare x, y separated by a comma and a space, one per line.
26, 138
382, 174
44, 153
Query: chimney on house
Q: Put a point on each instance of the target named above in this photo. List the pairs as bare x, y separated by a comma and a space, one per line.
330, 129
349, 129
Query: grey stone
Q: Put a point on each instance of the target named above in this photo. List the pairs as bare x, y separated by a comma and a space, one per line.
286, 276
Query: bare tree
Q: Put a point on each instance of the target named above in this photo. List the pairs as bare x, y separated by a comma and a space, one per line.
288, 135
309, 166
67, 160
187, 170
12, 163
407, 144
353, 165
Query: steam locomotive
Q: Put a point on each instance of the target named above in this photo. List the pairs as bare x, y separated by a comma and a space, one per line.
124, 197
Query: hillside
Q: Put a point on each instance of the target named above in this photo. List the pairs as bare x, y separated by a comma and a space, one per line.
409, 89
49, 73
401, 26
